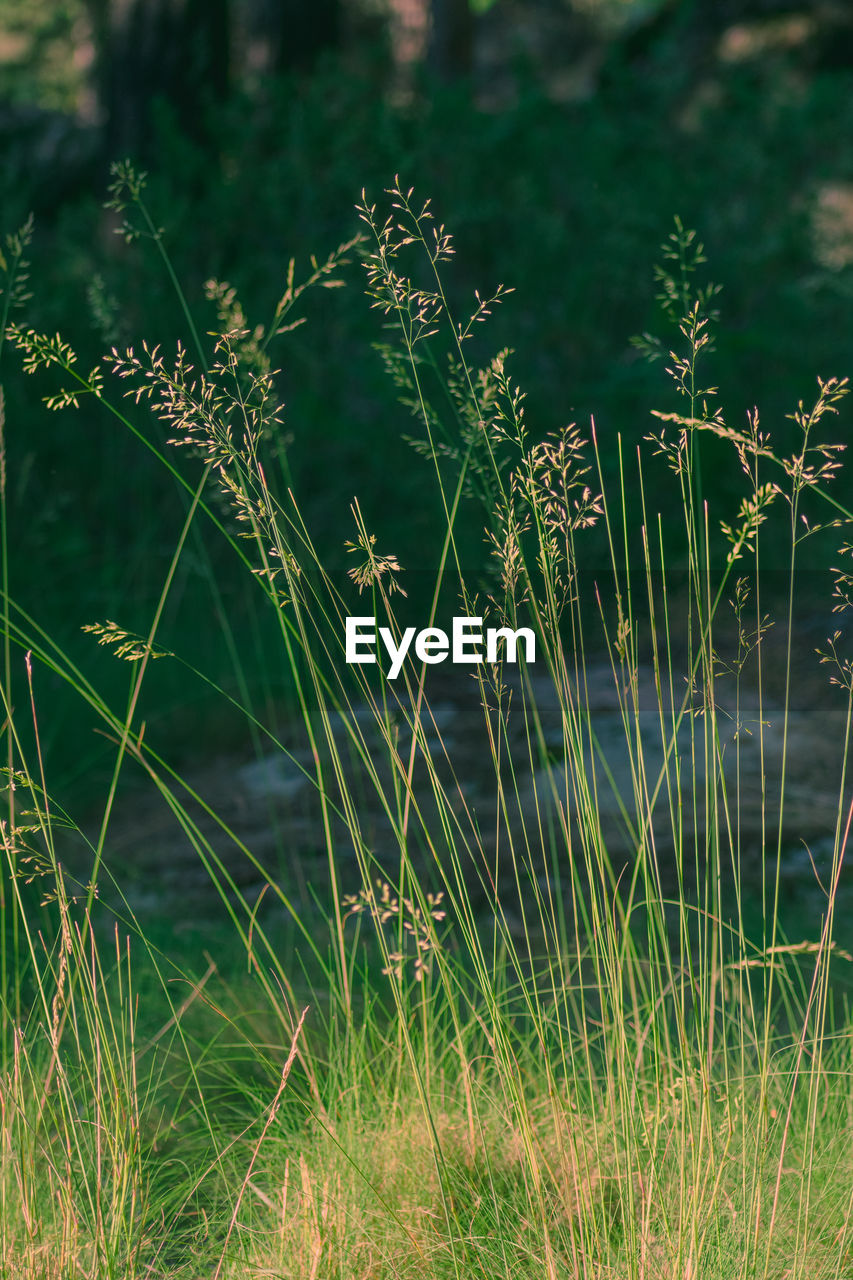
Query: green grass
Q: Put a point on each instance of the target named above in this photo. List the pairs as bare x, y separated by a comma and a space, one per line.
519, 1036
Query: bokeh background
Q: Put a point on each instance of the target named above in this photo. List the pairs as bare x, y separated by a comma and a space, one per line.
556, 138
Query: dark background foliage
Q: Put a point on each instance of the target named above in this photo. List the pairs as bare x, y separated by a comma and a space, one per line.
556, 138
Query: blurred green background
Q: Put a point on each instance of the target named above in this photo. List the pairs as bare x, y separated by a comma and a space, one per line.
556, 139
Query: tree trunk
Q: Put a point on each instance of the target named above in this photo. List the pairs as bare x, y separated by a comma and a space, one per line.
177, 51
451, 46
302, 30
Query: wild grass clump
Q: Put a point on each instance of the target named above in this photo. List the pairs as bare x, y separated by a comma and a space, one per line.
536, 1028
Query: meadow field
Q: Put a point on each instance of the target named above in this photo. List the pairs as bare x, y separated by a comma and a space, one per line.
521, 957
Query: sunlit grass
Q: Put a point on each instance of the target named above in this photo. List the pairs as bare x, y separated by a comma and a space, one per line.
533, 1035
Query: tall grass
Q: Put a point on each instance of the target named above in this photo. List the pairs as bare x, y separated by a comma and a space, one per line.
535, 1032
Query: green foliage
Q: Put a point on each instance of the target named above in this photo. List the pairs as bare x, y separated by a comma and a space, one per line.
507, 1034
546, 227
37, 44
